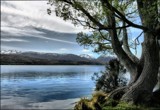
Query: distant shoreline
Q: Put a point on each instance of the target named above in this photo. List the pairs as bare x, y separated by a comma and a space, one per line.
35, 58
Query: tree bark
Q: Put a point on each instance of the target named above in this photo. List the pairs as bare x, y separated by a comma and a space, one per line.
118, 93
138, 62
141, 90
126, 45
143, 74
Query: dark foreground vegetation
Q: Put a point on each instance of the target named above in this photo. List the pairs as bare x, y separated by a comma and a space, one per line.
110, 87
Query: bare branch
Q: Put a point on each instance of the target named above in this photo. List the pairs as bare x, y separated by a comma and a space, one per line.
137, 38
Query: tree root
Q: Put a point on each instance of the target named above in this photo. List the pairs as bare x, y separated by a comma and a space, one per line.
118, 93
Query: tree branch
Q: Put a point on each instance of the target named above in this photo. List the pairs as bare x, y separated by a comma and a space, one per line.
116, 45
78, 7
103, 36
110, 7
126, 46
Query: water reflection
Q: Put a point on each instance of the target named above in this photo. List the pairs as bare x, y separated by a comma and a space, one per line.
35, 86
37, 75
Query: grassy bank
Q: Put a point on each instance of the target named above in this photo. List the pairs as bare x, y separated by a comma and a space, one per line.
100, 101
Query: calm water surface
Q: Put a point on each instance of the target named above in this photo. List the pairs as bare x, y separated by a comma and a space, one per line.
49, 87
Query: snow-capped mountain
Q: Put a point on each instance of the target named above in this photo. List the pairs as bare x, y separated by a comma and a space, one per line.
86, 56
10, 52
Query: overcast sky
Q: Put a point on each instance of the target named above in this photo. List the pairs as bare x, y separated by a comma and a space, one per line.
26, 26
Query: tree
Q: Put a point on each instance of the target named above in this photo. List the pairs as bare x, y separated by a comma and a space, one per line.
109, 21
111, 78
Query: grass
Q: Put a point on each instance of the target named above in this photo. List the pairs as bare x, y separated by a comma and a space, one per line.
126, 106
100, 101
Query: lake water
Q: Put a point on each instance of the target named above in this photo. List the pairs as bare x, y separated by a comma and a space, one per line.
45, 87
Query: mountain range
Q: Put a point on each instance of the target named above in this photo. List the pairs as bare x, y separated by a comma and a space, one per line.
37, 58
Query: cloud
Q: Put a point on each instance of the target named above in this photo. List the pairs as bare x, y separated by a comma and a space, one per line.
63, 49
6, 47
13, 40
85, 50
27, 13
91, 54
17, 31
58, 40
28, 22
29, 32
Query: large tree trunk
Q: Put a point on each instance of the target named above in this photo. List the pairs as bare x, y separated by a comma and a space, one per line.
144, 74
141, 90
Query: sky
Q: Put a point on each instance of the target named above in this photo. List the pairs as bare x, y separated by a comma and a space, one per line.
26, 26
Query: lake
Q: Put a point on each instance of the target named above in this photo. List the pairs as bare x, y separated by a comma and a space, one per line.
45, 87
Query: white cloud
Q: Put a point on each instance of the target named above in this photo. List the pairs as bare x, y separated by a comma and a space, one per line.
63, 49
85, 50
58, 40
29, 32
28, 20
33, 13
91, 54
13, 40
5, 47
17, 31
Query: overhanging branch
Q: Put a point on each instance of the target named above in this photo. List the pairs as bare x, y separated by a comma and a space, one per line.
122, 17
100, 26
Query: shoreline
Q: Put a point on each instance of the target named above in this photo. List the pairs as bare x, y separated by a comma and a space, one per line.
25, 103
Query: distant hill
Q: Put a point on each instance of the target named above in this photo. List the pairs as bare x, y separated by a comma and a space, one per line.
36, 58
104, 59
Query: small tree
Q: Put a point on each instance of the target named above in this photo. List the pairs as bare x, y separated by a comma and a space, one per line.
111, 78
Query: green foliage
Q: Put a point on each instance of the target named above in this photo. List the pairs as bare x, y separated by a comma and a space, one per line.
101, 101
90, 14
94, 39
93, 15
87, 105
74, 10
105, 18
127, 106
111, 78
152, 9
123, 106
71, 10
